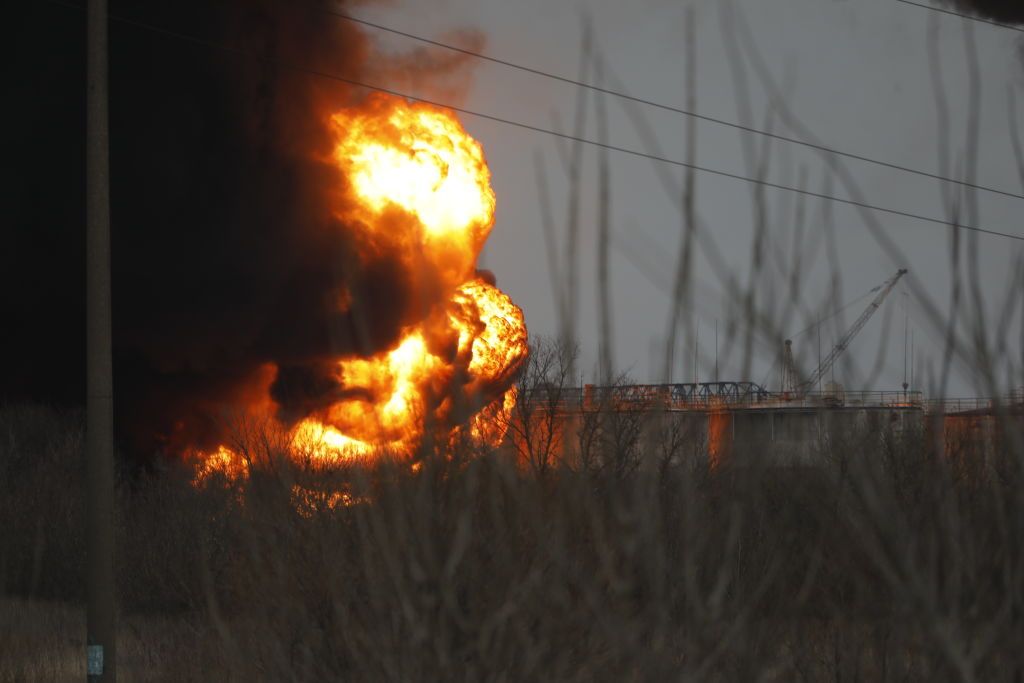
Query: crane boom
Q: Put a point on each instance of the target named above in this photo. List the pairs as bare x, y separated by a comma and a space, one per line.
845, 340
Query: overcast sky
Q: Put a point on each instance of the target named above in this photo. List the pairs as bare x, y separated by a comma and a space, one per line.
857, 74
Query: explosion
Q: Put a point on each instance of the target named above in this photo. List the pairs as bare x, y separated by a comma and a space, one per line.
416, 187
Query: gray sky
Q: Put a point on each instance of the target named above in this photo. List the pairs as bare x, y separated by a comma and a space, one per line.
856, 73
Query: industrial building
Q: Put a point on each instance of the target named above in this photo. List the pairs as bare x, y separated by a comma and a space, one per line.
740, 420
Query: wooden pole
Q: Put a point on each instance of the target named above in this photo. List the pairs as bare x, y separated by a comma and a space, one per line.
99, 437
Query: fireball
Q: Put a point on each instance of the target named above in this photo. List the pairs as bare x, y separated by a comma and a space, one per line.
420, 159
415, 182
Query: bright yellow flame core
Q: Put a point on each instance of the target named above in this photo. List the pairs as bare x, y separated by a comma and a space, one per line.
499, 338
388, 394
422, 161
313, 437
395, 392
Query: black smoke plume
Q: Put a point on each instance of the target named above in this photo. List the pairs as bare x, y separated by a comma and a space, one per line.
1003, 11
227, 253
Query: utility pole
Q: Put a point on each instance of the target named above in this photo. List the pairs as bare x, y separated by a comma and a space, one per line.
911, 360
906, 327
819, 350
99, 413
696, 353
716, 349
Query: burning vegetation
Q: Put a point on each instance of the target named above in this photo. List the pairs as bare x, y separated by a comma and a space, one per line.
415, 188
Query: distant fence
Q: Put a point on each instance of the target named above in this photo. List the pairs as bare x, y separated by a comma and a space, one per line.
950, 406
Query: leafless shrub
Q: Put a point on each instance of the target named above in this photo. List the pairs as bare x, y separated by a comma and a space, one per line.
544, 395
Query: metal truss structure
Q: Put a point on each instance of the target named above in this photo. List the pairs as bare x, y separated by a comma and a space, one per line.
693, 393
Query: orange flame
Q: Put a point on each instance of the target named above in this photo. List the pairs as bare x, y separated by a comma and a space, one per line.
416, 184
719, 434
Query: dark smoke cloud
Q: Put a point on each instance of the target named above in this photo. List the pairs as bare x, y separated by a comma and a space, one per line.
444, 71
227, 253
1004, 11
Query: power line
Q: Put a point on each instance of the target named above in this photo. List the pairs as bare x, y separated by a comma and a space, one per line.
537, 129
962, 15
666, 107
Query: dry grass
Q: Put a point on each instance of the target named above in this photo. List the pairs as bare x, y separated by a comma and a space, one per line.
477, 569
45, 641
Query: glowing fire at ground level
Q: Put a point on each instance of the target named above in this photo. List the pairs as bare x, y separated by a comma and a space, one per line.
393, 409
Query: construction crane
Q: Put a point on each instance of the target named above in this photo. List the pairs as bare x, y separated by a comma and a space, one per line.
791, 385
